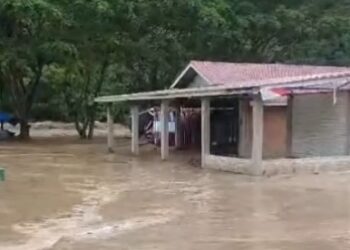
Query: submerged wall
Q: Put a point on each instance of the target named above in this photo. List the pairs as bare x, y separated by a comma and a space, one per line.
313, 165
317, 127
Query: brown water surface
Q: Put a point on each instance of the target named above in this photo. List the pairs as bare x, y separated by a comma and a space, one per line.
63, 194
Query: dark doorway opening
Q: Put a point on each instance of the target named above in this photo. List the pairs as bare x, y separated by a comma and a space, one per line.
224, 126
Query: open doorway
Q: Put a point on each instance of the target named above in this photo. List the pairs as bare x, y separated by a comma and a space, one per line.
224, 130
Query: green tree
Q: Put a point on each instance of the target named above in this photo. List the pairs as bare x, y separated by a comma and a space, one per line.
84, 48
81, 78
28, 44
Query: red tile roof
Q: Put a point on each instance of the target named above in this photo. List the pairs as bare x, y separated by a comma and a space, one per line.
251, 74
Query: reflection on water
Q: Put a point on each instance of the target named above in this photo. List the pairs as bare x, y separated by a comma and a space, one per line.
67, 195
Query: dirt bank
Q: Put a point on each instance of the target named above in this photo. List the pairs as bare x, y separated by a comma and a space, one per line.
47, 129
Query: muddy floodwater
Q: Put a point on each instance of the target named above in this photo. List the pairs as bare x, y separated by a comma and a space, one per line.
64, 194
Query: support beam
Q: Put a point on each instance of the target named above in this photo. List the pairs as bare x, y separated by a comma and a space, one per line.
205, 128
290, 127
134, 111
258, 131
164, 126
178, 129
244, 140
347, 115
110, 133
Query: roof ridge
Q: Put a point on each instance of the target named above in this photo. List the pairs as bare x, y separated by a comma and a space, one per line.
309, 77
269, 64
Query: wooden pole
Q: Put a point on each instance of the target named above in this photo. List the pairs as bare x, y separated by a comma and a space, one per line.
134, 111
258, 130
164, 126
110, 124
205, 116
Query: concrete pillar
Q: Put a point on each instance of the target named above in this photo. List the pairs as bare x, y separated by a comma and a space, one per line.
205, 128
258, 131
244, 150
134, 111
290, 127
110, 133
178, 129
347, 115
164, 126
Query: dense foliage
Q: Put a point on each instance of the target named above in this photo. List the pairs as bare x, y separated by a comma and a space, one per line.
57, 55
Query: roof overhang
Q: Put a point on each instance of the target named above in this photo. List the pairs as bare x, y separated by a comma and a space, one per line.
176, 94
311, 84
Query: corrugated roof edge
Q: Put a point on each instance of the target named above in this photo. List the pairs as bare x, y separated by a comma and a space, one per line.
192, 65
225, 90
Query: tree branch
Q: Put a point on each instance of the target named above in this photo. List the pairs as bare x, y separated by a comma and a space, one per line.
32, 89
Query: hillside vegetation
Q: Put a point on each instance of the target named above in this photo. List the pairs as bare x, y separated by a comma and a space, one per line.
57, 55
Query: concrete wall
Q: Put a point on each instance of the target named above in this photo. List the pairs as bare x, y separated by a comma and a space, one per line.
320, 128
271, 167
228, 164
275, 131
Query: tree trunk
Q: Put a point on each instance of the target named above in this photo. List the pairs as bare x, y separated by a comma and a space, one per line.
91, 129
92, 118
24, 130
92, 111
81, 129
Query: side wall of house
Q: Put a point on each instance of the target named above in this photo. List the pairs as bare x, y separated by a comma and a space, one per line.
320, 127
275, 131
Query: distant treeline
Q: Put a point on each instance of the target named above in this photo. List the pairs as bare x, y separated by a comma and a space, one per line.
57, 55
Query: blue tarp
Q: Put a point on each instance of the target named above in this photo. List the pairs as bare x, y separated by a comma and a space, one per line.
5, 117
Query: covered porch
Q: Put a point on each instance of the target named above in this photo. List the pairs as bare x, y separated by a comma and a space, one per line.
205, 96
328, 90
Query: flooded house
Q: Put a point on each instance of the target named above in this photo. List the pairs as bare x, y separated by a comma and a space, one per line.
253, 118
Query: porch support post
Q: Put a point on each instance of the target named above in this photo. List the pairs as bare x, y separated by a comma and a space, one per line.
205, 128
110, 133
178, 132
134, 110
164, 126
244, 140
347, 115
258, 130
290, 127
